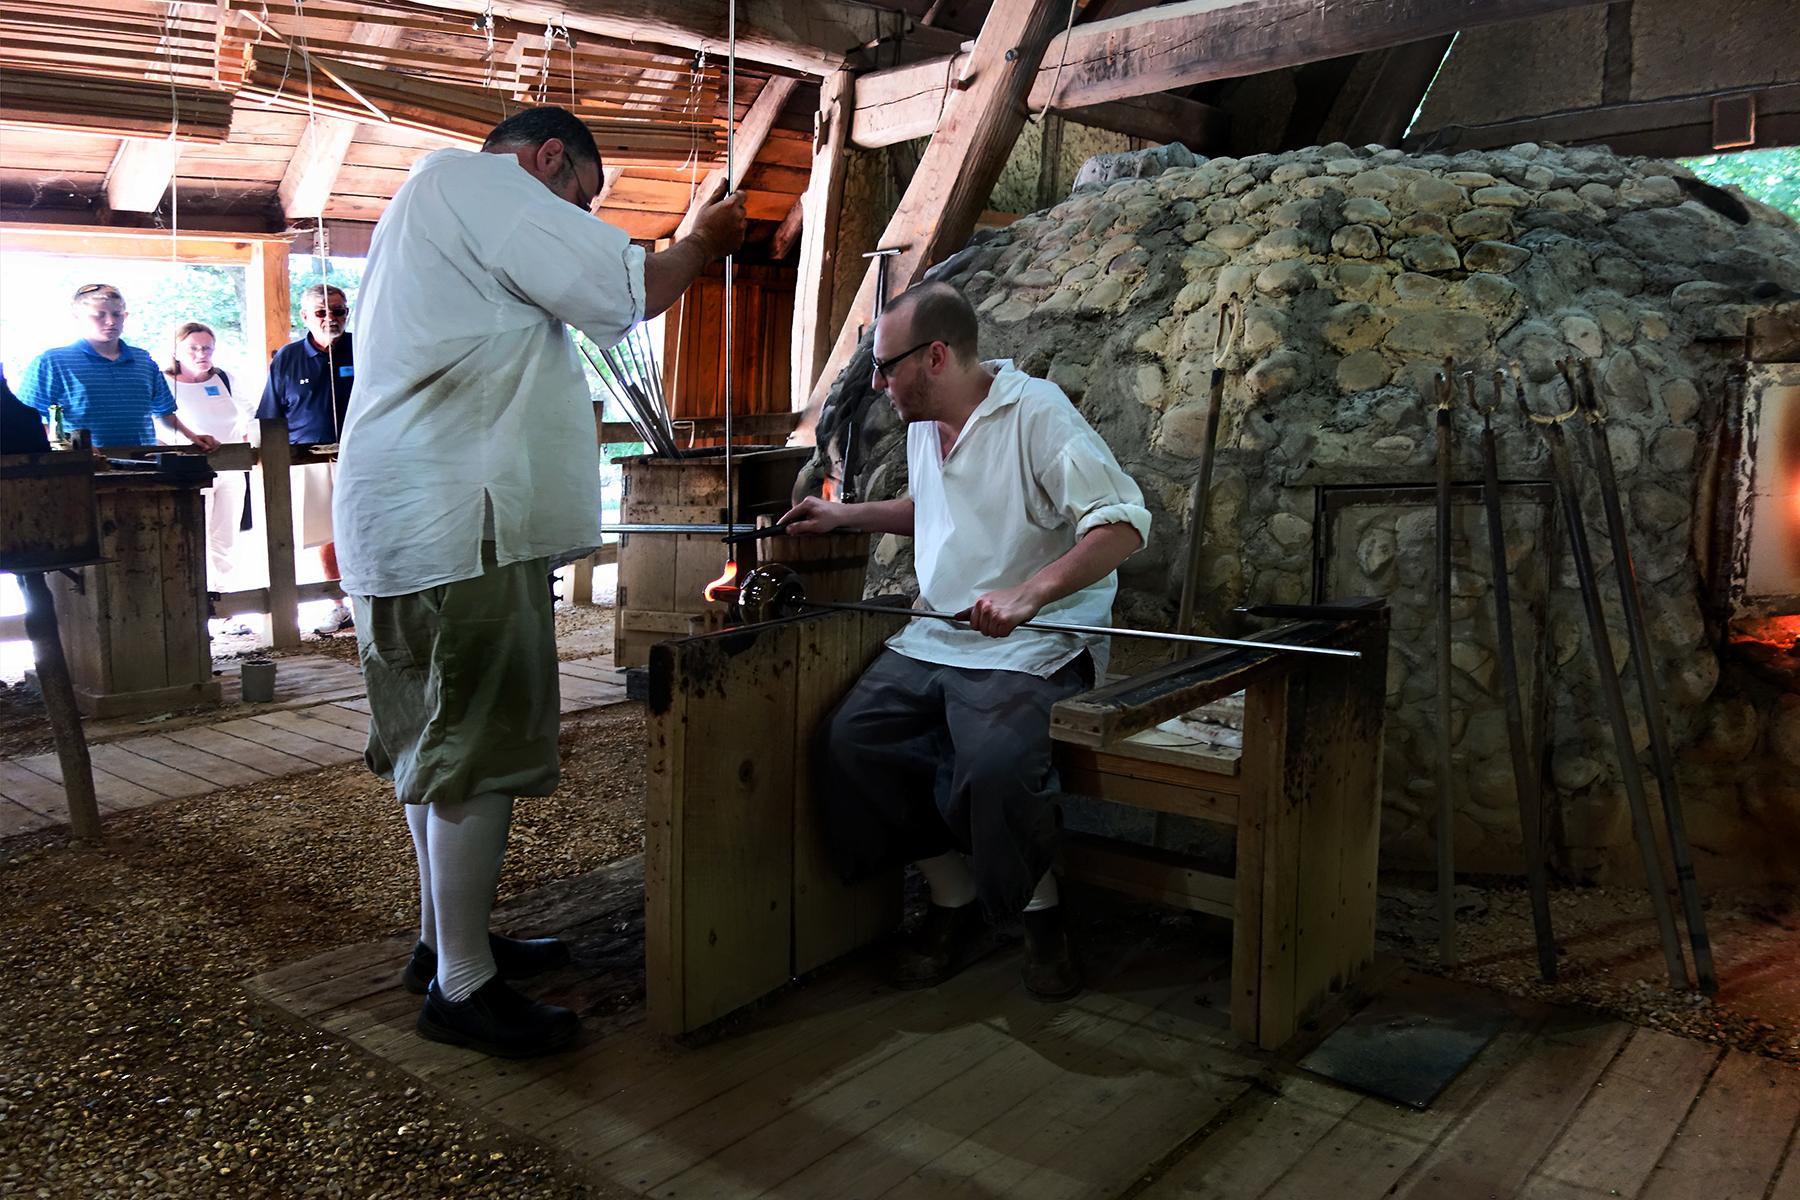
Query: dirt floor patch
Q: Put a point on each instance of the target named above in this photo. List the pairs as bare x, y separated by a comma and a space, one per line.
133, 1063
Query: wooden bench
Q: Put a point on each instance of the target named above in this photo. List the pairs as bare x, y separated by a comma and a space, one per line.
740, 896
1303, 795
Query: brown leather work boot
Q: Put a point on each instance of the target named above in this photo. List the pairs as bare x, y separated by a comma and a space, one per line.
1050, 972
948, 940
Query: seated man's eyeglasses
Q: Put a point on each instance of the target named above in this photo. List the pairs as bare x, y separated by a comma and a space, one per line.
886, 367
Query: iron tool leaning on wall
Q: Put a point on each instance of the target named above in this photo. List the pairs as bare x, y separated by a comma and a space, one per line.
940, 755
468, 468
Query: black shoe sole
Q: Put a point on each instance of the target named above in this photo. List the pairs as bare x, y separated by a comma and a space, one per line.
431, 1031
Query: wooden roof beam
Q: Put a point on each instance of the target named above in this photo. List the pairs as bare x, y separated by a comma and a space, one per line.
1178, 45
903, 103
958, 169
1174, 46
140, 174
312, 172
752, 132
809, 36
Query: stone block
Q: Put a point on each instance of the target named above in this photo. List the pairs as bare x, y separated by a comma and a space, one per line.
1499, 257
1483, 224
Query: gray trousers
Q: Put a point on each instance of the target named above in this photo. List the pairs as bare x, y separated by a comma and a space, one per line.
921, 759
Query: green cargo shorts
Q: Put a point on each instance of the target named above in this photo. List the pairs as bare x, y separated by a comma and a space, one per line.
462, 684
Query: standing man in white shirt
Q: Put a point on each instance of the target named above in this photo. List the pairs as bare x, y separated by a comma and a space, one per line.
940, 755
469, 468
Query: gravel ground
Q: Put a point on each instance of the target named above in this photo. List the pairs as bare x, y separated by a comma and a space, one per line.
1611, 959
133, 1064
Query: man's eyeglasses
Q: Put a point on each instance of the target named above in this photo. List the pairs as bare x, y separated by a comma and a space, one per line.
336, 310
886, 367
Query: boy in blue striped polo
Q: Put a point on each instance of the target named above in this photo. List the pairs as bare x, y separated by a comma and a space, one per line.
111, 389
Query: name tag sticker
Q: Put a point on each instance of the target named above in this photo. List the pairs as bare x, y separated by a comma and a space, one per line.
346, 371
212, 389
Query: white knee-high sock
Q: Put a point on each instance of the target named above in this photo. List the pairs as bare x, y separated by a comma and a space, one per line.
417, 817
952, 882
467, 841
1046, 895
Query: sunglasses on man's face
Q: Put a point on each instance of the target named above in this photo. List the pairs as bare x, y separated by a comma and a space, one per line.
336, 310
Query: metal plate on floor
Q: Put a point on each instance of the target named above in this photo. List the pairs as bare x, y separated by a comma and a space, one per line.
1410, 1041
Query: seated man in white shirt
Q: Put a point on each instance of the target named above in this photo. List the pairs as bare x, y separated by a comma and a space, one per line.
468, 468
940, 755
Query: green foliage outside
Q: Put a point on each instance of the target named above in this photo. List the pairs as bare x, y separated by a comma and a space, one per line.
1772, 176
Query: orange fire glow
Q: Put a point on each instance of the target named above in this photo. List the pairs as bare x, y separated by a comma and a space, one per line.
727, 581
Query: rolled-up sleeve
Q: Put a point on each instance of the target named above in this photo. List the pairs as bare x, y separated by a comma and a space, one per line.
578, 269
1088, 486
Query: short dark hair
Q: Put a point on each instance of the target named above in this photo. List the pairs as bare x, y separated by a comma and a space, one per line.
535, 126
940, 313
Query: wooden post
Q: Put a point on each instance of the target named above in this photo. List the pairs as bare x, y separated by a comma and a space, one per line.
820, 204
270, 316
957, 173
278, 520
59, 701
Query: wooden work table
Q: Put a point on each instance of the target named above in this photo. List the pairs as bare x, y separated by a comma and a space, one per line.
740, 897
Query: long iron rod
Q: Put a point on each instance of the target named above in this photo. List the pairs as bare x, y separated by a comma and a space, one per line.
1446, 807
1525, 777
730, 183
1692, 909
1632, 775
1100, 630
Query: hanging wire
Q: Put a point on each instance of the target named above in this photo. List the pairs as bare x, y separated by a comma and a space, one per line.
1061, 58
730, 182
321, 249
169, 15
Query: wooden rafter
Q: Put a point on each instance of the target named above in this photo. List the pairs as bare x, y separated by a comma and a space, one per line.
751, 134
958, 170
809, 36
140, 173
1173, 46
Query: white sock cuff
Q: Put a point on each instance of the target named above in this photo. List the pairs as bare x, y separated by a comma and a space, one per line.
1046, 894
952, 882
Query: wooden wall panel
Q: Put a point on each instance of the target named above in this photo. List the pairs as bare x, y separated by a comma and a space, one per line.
694, 343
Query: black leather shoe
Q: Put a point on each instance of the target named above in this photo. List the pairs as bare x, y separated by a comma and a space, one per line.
1050, 972
514, 958
949, 940
497, 1020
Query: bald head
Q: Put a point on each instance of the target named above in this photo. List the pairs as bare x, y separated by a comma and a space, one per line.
937, 312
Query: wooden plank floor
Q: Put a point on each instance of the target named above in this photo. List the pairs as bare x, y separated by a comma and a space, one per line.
848, 1090
321, 719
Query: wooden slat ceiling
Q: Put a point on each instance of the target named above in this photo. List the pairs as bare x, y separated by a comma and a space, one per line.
413, 78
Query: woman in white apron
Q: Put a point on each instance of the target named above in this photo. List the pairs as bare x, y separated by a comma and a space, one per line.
204, 402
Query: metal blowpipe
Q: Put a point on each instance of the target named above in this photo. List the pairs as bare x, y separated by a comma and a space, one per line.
770, 592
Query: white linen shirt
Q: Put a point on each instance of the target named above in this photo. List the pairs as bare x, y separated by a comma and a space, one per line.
469, 394
1026, 479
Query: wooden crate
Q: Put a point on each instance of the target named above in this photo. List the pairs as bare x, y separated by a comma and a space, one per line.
48, 500
134, 627
662, 576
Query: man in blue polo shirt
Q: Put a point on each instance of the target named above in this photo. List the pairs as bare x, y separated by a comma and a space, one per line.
309, 386
113, 390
